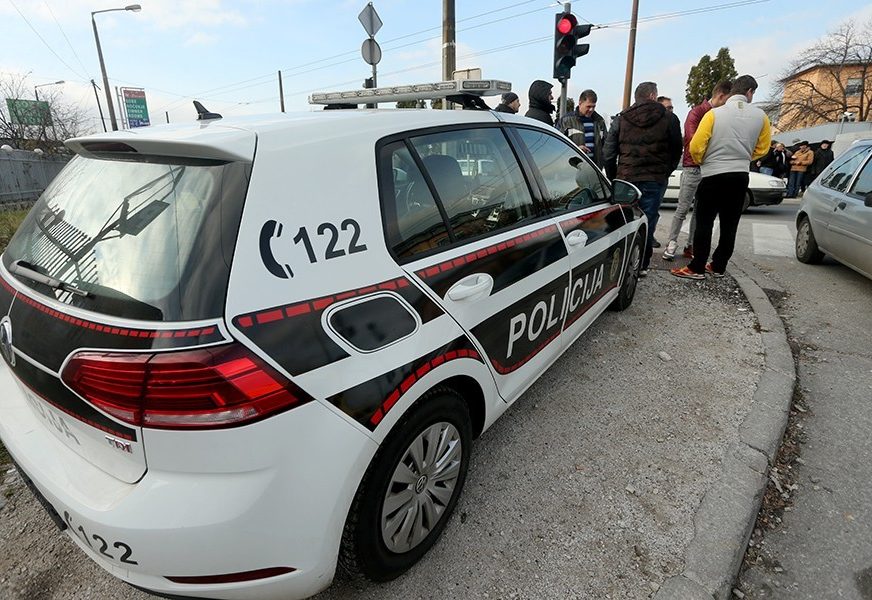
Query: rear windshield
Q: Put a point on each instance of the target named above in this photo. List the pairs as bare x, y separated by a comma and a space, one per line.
146, 239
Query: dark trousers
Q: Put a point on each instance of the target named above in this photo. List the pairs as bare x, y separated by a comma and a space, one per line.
649, 202
719, 195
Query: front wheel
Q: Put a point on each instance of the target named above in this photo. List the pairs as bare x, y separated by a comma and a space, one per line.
631, 277
749, 199
807, 250
410, 488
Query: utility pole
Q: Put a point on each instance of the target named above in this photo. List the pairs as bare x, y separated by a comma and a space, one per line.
281, 92
631, 54
99, 108
449, 58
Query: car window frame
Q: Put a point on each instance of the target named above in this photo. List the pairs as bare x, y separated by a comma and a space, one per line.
542, 188
842, 159
867, 163
384, 182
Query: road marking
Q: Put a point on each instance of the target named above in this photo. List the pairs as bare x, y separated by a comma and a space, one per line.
772, 240
685, 227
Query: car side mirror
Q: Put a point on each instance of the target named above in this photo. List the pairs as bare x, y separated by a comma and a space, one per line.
624, 192
867, 200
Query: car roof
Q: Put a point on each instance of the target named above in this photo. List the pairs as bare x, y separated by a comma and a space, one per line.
229, 138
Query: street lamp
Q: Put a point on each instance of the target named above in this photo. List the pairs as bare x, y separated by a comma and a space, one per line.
131, 8
36, 93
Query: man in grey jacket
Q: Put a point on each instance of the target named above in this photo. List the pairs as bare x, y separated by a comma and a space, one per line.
727, 140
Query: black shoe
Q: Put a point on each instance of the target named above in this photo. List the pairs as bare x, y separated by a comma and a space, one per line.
656, 244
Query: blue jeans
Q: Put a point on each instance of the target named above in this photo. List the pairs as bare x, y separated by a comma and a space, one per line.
794, 182
652, 194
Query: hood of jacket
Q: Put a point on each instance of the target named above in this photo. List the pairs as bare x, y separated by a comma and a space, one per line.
644, 114
538, 96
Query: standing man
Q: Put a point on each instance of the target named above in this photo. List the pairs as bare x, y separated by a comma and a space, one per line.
782, 161
799, 162
690, 176
727, 140
823, 156
510, 103
540, 98
586, 127
643, 147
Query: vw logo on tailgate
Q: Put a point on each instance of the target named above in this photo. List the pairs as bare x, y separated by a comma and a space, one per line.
6, 341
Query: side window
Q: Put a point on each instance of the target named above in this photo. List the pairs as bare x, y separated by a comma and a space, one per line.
841, 173
571, 182
863, 184
412, 219
478, 180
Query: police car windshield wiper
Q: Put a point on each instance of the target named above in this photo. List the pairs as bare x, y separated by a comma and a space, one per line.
25, 269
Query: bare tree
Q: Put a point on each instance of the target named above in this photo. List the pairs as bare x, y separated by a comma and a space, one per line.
827, 80
62, 120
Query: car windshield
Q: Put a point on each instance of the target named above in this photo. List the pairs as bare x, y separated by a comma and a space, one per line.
138, 239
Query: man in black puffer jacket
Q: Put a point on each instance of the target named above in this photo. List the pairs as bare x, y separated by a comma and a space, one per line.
540, 99
644, 147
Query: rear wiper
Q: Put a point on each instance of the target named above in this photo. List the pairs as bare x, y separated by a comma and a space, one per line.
20, 267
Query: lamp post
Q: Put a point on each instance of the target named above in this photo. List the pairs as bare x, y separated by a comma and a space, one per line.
131, 8
36, 92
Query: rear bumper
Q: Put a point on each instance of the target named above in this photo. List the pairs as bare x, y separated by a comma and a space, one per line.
276, 495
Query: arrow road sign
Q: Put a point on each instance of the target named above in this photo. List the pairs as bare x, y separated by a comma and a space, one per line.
370, 21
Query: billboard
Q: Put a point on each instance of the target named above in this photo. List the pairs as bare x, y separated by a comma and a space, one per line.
28, 112
135, 107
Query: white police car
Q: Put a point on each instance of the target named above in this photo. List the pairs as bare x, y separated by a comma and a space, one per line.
239, 350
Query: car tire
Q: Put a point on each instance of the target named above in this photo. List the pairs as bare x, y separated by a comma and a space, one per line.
399, 479
807, 250
631, 277
749, 200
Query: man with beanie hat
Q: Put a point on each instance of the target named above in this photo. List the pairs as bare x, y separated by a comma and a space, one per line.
510, 103
540, 98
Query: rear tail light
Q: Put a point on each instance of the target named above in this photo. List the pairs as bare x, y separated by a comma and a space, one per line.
207, 388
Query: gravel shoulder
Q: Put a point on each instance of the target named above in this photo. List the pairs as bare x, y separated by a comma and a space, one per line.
585, 488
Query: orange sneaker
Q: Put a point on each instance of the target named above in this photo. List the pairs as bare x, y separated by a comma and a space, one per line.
712, 272
685, 273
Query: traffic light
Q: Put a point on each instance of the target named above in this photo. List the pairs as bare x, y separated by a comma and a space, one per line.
567, 31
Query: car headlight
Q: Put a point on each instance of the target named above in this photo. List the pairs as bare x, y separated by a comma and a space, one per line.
776, 183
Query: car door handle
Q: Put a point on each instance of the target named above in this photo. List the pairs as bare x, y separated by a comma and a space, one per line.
472, 286
576, 238
841, 205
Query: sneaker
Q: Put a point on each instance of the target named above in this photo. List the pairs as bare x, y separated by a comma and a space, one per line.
685, 273
688, 252
643, 272
671, 247
712, 272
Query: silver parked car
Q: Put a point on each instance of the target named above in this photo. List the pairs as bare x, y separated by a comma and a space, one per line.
835, 216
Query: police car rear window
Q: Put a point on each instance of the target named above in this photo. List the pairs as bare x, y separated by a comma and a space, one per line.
142, 240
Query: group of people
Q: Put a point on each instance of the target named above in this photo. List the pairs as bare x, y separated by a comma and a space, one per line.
799, 167
723, 136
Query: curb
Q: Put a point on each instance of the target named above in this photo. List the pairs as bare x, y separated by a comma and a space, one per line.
725, 517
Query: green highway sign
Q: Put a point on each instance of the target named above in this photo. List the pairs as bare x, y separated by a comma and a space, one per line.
28, 112
135, 107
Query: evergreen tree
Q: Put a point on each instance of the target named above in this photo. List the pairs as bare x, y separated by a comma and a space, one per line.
707, 73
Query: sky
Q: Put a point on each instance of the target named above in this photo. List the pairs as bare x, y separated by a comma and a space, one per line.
226, 53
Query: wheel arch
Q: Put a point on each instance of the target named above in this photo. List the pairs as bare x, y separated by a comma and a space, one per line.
470, 390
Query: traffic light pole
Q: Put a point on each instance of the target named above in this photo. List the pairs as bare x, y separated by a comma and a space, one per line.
561, 108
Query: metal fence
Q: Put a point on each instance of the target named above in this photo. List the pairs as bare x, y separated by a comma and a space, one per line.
24, 175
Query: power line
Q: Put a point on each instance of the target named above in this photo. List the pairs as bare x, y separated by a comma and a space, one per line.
21, 14
64, 33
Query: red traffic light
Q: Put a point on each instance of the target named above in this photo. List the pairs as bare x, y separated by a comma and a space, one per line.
566, 24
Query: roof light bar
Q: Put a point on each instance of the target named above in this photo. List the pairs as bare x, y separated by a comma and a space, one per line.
421, 91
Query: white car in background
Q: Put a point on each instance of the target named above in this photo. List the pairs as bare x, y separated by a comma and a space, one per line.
763, 190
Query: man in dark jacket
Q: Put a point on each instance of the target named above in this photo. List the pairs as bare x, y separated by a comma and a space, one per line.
823, 156
540, 102
586, 127
510, 103
644, 147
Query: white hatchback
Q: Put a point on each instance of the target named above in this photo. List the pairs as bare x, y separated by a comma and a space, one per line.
239, 351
